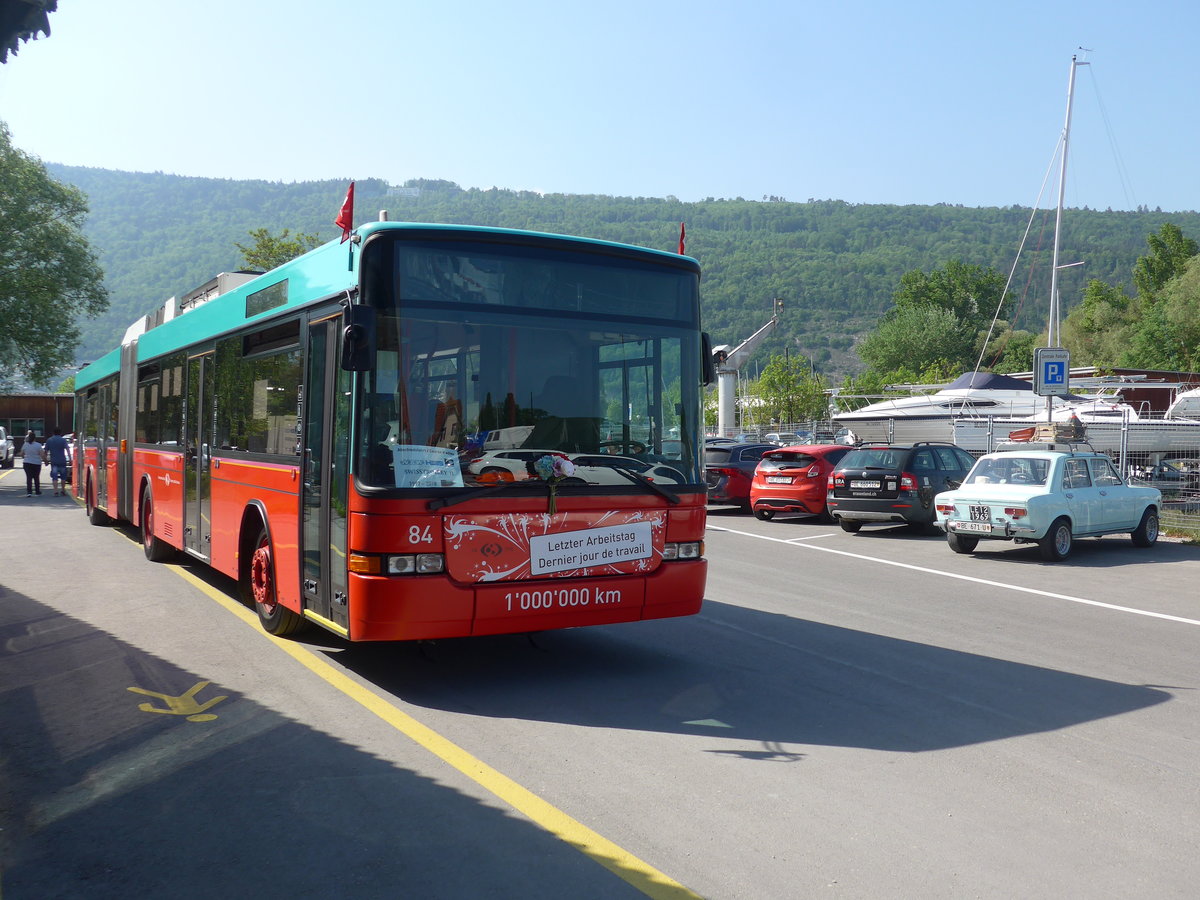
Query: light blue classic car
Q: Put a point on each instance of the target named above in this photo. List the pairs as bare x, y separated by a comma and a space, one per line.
1046, 497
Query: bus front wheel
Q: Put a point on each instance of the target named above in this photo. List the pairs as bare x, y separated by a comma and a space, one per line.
276, 618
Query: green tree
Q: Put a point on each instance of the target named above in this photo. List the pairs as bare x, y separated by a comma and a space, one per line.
49, 275
1098, 329
919, 337
939, 320
1168, 257
270, 250
1167, 334
1012, 352
790, 391
971, 292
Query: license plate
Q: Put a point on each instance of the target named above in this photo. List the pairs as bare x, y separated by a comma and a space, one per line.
866, 485
972, 526
778, 479
981, 514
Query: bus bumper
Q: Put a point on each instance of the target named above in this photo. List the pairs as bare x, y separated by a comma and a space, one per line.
425, 608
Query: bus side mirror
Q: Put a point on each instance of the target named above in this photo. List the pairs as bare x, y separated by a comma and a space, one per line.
358, 338
710, 367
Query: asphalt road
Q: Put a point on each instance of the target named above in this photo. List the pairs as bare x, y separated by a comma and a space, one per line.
862, 715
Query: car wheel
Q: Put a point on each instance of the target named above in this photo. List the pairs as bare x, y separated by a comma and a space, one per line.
849, 525
1147, 531
1056, 545
765, 514
962, 543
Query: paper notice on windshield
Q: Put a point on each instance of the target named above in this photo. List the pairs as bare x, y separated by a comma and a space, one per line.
420, 466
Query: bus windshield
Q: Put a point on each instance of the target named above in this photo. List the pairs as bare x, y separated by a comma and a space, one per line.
491, 357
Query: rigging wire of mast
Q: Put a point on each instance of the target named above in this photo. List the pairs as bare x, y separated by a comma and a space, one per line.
1025, 237
1118, 161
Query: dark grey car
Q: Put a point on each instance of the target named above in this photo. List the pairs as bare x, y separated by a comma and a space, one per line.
888, 483
729, 469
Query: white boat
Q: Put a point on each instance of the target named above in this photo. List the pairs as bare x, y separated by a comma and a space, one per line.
1186, 405
972, 396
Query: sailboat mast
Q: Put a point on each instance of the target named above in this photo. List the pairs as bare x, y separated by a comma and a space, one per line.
1053, 338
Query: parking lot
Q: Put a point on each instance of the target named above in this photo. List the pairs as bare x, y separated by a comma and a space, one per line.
868, 713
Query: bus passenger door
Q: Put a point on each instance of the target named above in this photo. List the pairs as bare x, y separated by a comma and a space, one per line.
102, 442
324, 463
197, 493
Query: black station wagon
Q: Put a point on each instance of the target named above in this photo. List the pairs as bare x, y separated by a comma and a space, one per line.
882, 484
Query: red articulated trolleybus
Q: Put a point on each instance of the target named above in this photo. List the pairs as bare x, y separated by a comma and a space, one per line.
431, 431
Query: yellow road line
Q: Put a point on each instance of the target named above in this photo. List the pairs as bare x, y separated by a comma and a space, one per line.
617, 860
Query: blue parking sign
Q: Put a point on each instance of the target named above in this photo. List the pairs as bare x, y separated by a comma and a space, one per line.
1051, 371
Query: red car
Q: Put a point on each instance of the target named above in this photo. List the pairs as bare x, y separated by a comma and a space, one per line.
793, 480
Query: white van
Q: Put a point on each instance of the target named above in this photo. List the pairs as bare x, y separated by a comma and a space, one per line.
7, 457
507, 438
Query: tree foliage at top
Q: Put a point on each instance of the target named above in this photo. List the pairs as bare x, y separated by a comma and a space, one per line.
48, 273
790, 391
940, 320
1159, 328
1169, 254
269, 251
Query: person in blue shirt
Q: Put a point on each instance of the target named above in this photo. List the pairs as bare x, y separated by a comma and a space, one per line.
57, 449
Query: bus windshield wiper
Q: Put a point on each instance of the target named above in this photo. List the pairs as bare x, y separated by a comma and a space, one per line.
640, 480
670, 496
442, 502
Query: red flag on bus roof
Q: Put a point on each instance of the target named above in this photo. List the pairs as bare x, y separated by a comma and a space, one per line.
345, 216
681, 236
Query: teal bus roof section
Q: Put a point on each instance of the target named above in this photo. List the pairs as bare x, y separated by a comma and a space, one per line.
592, 244
106, 365
324, 272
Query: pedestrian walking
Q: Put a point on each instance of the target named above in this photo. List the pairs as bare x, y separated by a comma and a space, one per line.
33, 454
57, 449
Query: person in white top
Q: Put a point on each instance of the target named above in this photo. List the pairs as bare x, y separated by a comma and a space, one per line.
33, 454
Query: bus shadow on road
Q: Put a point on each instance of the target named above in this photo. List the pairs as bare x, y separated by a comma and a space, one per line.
123, 775
742, 674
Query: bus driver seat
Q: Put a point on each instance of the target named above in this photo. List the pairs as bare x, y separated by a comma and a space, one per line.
567, 423
561, 396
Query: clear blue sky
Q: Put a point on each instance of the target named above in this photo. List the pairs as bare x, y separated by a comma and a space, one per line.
868, 102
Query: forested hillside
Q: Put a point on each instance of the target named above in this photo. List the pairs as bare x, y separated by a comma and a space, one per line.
834, 264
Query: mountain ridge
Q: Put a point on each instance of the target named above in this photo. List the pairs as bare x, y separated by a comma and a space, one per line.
835, 264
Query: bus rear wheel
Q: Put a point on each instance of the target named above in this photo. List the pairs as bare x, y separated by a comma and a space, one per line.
156, 549
276, 618
95, 515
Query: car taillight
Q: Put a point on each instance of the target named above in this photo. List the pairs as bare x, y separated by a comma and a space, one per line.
945, 508
1016, 512
728, 473
908, 481
835, 480
814, 470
